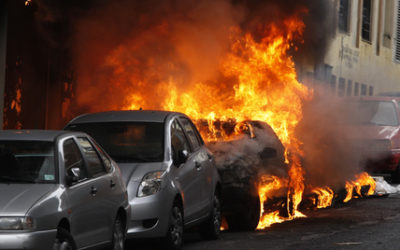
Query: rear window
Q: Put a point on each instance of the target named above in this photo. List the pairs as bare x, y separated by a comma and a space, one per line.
27, 162
381, 113
127, 141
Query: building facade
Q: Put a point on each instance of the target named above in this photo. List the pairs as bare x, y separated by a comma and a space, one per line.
364, 56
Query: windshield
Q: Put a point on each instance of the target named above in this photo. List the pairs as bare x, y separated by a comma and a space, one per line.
27, 162
381, 113
128, 141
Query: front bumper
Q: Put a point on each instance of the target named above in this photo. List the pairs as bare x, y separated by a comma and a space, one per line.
36, 240
150, 215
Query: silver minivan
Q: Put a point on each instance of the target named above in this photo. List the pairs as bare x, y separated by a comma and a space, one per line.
170, 175
59, 190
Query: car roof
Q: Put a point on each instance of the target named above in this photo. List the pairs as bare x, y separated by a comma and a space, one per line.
125, 116
379, 98
33, 135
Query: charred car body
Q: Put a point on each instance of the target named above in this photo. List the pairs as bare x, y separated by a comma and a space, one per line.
256, 150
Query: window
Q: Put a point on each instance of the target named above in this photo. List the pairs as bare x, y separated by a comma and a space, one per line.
27, 162
94, 165
106, 161
73, 158
333, 84
397, 54
366, 21
356, 89
191, 133
344, 16
363, 89
371, 91
178, 141
349, 87
128, 142
342, 86
388, 25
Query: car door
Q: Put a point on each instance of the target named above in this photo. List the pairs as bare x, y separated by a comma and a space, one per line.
200, 158
185, 173
82, 202
103, 188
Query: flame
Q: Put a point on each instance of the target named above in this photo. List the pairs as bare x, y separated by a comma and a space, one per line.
362, 180
324, 196
28, 2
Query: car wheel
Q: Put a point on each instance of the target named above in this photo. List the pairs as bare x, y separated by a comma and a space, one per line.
118, 236
64, 240
174, 238
246, 218
212, 227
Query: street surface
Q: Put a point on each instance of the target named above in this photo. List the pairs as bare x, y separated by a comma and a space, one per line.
369, 223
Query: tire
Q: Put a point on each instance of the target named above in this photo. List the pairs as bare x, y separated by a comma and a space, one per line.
118, 235
174, 237
211, 228
64, 240
247, 217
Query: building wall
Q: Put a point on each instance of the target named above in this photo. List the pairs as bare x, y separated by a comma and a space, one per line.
3, 49
371, 64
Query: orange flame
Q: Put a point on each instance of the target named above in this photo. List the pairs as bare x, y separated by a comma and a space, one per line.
362, 180
324, 196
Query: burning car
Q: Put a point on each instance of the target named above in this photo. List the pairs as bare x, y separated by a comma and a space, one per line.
241, 160
375, 121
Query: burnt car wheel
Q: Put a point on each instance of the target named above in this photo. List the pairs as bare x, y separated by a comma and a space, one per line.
118, 237
64, 240
174, 238
212, 227
245, 219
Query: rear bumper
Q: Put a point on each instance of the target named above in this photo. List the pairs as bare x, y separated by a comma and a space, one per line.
38, 240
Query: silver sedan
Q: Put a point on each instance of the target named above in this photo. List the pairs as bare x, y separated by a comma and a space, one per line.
59, 190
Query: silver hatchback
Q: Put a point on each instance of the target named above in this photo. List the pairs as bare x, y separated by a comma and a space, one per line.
59, 190
170, 175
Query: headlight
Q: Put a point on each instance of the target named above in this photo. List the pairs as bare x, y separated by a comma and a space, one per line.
151, 184
16, 223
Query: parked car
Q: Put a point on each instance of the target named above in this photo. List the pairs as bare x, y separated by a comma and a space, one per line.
59, 190
376, 128
170, 175
240, 162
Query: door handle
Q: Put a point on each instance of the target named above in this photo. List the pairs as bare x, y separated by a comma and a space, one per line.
93, 191
112, 184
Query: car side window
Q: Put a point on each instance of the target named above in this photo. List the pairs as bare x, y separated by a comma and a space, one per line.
73, 158
178, 140
191, 133
106, 160
94, 165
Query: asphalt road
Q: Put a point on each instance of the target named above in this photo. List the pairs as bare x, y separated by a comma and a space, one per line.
369, 223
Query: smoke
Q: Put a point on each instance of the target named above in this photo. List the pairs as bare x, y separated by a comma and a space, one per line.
331, 145
142, 44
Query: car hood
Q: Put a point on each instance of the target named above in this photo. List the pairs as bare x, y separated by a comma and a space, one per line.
136, 171
372, 132
17, 199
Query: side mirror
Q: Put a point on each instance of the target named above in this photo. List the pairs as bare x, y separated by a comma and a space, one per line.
268, 153
73, 175
183, 155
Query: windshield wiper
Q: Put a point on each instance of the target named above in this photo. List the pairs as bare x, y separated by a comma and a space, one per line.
12, 179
